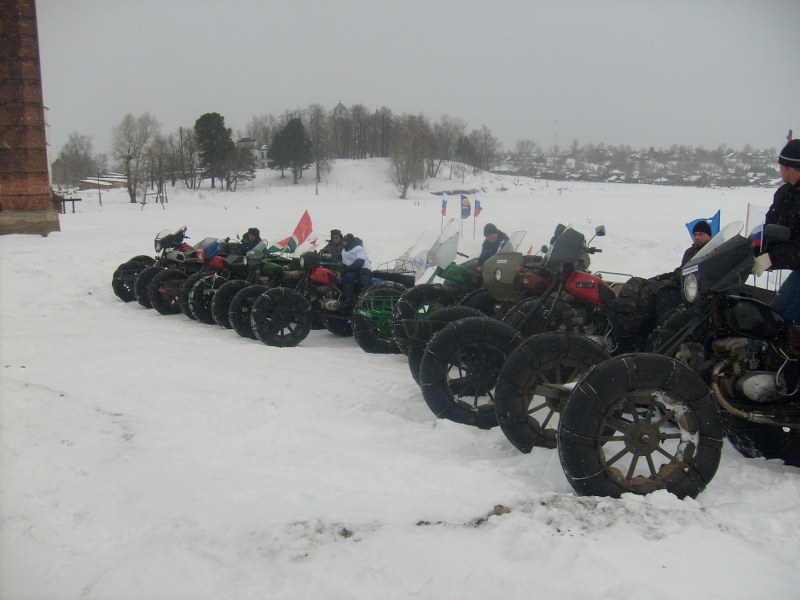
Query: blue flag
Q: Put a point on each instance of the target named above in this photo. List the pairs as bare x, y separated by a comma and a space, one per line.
712, 221
466, 207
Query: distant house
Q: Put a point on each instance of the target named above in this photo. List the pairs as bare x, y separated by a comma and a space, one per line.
108, 181
259, 154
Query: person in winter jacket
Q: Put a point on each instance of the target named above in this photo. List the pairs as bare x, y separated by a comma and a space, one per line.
493, 242
701, 235
357, 268
332, 251
250, 240
785, 210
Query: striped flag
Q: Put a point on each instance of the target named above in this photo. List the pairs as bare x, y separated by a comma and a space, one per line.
789, 136
300, 235
478, 207
444, 204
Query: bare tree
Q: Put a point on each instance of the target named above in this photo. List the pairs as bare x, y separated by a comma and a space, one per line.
75, 161
487, 147
128, 142
359, 117
380, 131
446, 132
316, 120
409, 147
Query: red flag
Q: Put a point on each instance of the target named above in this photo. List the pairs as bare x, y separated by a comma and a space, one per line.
300, 235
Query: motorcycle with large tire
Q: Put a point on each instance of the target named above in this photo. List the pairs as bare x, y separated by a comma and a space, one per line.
727, 367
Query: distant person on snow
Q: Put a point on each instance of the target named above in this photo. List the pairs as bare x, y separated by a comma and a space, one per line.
357, 269
250, 240
494, 240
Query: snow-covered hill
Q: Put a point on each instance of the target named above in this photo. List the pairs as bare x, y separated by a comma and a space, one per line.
148, 456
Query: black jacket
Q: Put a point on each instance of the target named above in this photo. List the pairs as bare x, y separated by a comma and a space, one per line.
785, 210
489, 248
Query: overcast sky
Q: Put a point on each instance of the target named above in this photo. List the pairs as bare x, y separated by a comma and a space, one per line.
638, 72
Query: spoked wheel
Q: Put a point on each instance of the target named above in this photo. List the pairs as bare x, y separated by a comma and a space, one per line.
281, 317
239, 311
164, 291
221, 302
142, 282
460, 367
640, 423
429, 327
186, 307
536, 381
201, 296
756, 440
124, 277
372, 318
416, 304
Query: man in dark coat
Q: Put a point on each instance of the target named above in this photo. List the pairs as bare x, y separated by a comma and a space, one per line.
332, 252
701, 235
785, 210
250, 240
493, 242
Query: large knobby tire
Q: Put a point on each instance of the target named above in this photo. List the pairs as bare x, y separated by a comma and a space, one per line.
756, 440
142, 283
201, 296
221, 302
416, 304
281, 317
482, 300
239, 311
427, 328
186, 306
372, 318
460, 367
535, 383
338, 324
640, 423
124, 277
164, 291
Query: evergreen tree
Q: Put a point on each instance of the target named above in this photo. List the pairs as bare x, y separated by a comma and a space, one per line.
215, 144
290, 149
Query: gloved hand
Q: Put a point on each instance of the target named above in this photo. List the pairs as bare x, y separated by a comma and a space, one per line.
761, 264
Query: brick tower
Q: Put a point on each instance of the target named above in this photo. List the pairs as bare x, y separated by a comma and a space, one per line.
26, 201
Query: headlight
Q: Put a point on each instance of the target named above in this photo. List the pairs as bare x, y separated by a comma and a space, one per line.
302, 262
244, 260
498, 274
690, 288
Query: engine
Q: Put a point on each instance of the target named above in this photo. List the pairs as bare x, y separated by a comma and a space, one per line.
750, 376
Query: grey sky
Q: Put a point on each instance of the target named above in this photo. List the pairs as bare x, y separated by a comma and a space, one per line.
637, 72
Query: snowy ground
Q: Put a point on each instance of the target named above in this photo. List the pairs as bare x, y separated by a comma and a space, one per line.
148, 456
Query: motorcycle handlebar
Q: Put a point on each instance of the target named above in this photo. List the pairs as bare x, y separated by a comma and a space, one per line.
594, 250
462, 254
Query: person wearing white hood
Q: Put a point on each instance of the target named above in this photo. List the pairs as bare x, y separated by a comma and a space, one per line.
357, 269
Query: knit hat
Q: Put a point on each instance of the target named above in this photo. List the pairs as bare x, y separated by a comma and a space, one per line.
335, 232
490, 228
702, 227
254, 231
790, 155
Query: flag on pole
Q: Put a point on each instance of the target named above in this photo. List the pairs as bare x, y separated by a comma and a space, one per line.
444, 204
300, 235
789, 136
712, 221
478, 207
466, 207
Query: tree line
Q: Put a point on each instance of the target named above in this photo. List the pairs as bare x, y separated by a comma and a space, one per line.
311, 138
295, 142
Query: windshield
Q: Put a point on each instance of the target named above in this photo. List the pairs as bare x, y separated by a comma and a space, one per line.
513, 243
728, 232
